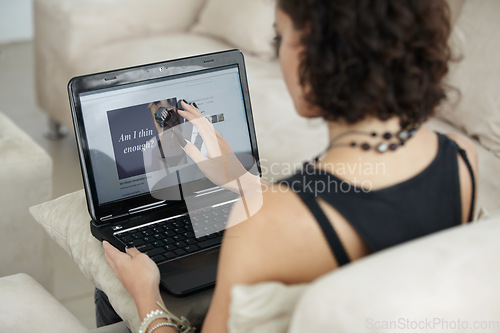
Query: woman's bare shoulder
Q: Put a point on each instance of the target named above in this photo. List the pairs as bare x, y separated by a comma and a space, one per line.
275, 208
279, 238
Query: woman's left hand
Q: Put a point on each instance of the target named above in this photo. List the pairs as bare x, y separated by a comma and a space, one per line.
138, 274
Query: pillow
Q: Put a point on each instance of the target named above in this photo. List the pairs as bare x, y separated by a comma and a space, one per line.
70, 27
246, 24
66, 220
455, 9
476, 36
263, 308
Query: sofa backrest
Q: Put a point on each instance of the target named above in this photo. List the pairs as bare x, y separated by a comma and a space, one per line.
476, 39
455, 8
444, 282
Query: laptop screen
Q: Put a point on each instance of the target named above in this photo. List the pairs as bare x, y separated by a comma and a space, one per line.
124, 127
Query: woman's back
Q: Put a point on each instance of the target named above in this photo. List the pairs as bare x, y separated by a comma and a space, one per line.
420, 189
427, 202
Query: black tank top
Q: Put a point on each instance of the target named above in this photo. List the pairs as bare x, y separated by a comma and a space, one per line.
424, 204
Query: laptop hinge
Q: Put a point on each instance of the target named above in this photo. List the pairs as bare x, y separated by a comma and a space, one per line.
146, 207
113, 217
134, 211
106, 218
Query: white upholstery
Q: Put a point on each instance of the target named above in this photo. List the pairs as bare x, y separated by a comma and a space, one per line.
123, 20
451, 275
26, 180
264, 307
230, 21
26, 307
66, 220
476, 37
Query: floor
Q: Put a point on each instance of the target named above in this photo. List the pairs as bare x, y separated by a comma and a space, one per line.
71, 288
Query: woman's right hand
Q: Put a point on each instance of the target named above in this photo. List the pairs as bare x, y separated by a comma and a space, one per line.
220, 165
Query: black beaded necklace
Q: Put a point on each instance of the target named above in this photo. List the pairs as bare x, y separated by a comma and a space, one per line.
386, 145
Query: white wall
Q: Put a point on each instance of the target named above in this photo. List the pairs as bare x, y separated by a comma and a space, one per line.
16, 20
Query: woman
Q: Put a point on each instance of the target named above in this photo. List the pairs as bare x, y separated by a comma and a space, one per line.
373, 70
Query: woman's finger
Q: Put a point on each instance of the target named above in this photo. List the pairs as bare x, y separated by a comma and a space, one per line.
132, 251
108, 248
194, 115
109, 261
194, 152
190, 112
113, 254
204, 127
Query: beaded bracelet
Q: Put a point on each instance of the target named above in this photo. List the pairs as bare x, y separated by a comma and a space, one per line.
181, 324
152, 316
154, 328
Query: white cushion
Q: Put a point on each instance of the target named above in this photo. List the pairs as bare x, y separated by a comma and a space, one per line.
263, 308
246, 24
72, 27
455, 9
476, 36
26, 307
67, 221
451, 275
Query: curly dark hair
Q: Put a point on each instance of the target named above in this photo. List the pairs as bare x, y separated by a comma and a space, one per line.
380, 58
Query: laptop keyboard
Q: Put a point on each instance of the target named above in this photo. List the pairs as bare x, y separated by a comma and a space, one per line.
174, 238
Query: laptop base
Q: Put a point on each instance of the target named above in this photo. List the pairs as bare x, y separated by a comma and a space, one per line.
181, 277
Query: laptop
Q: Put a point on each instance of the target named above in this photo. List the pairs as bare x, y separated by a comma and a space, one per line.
142, 189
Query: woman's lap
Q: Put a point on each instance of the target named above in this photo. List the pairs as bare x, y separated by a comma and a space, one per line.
104, 312
193, 307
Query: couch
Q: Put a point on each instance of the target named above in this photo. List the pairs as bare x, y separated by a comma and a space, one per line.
28, 307
26, 180
73, 38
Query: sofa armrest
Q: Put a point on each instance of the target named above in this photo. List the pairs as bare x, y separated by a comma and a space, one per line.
69, 27
25, 306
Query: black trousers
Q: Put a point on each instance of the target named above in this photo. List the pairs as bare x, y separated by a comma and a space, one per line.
104, 312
